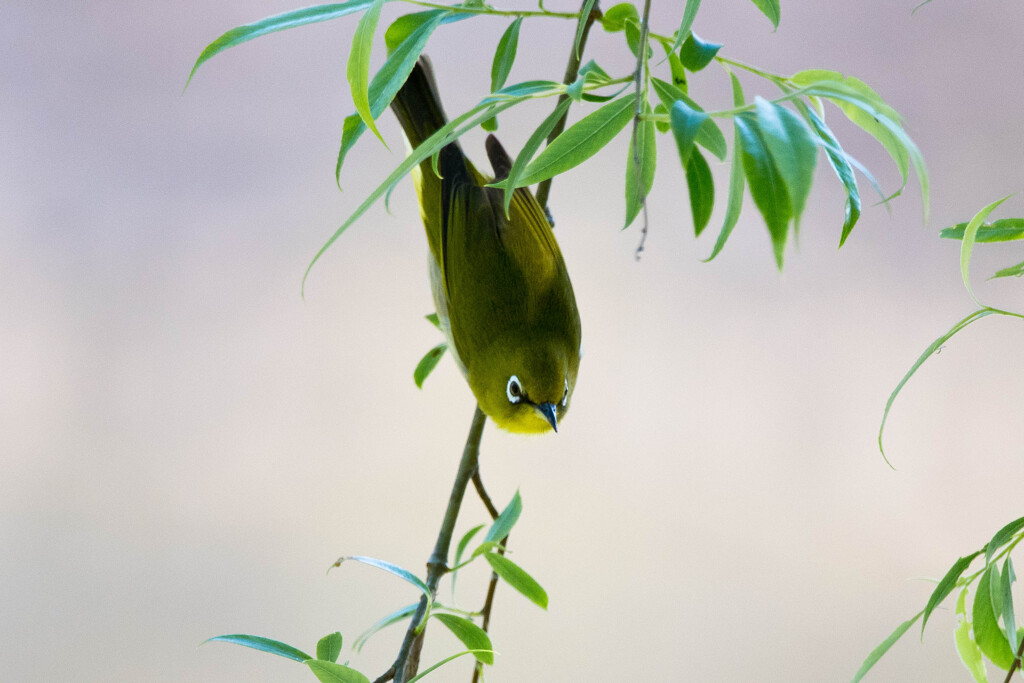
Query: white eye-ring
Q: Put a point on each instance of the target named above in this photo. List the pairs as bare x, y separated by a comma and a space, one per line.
513, 390
565, 396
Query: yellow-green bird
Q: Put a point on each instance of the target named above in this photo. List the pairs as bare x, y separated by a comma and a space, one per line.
500, 286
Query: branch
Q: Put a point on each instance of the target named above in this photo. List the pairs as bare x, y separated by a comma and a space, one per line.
493, 585
641, 100
1016, 661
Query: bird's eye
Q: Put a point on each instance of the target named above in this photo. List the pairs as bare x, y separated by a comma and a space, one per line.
513, 389
565, 396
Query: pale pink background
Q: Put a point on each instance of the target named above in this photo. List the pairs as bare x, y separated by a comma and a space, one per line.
186, 444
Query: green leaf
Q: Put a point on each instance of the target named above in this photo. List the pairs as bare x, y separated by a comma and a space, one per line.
1012, 271
505, 55
679, 78
329, 647
274, 647
793, 151
932, 348
588, 6
695, 54
358, 70
505, 521
689, 14
685, 122
1002, 537
770, 8
530, 149
471, 635
985, 621
946, 585
641, 162
710, 135
433, 320
405, 25
393, 618
970, 653
883, 647
1002, 230
661, 110
967, 244
632, 33
278, 22
735, 201
766, 183
701, 185
579, 142
329, 672
430, 669
838, 159
393, 569
428, 363
515, 576
615, 18
1009, 619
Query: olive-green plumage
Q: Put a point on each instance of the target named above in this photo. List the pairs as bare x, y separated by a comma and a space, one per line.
500, 286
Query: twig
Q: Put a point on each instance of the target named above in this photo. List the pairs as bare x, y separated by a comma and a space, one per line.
408, 660
1016, 662
493, 585
572, 70
641, 100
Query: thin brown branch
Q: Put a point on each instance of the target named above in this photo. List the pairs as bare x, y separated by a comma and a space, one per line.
493, 585
641, 101
1016, 662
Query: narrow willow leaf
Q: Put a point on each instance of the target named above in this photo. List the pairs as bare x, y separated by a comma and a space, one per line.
616, 17
735, 202
515, 576
358, 70
505, 521
588, 6
530, 149
329, 672
985, 618
405, 25
471, 635
641, 162
709, 136
970, 653
686, 122
392, 569
701, 185
689, 14
1002, 537
433, 320
274, 647
661, 110
695, 54
393, 618
579, 142
464, 541
883, 647
329, 647
932, 348
575, 89
505, 55
792, 149
430, 669
428, 363
278, 22
967, 244
678, 71
1002, 230
945, 586
632, 33
770, 8
840, 164
1012, 271
767, 186
1009, 619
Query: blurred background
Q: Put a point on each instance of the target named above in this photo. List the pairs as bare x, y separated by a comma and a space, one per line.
186, 444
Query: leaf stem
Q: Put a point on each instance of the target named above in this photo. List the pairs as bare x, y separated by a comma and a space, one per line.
752, 69
640, 81
495, 12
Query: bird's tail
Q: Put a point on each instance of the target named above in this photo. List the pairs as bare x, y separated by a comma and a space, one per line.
418, 106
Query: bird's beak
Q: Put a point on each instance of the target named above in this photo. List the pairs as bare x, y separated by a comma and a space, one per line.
548, 412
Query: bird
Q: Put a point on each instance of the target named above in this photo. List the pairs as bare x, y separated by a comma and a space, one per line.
500, 286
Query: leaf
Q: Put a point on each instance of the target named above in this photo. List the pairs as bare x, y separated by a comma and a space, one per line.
329, 647
967, 244
530, 149
883, 647
616, 17
945, 586
428, 363
1009, 619
689, 14
985, 617
932, 348
278, 22
358, 69
1002, 537
766, 183
588, 6
274, 647
1012, 271
471, 635
515, 576
464, 541
970, 653
329, 672
840, 164
695, 54
579, 142
405, 25
770, 8
505, 55
701, 185
1001, 230
710, 135
433, 320
792, 149
641, 162
393, 618
393, 569
685, 122
505, 521
735, 202
433, 667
